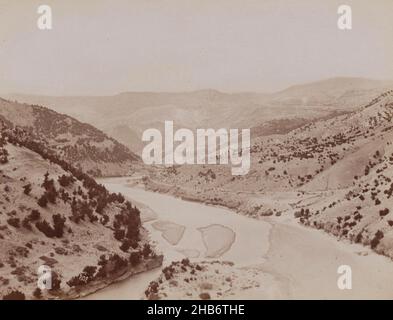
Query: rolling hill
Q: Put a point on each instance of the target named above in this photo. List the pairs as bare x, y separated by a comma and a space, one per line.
54, 215
80, 144
334, 174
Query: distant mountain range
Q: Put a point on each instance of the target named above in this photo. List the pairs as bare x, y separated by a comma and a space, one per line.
125, 116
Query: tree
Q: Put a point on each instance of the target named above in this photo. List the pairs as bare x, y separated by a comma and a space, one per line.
50, 189
135, 258
146, 250
58, 225
15, 295
45, 228
37, 293
90, 271
384, 212
27, 189
65, 181
26, 224
377, 238
15, 222
125, 246
3, 156
34, 215
43, 201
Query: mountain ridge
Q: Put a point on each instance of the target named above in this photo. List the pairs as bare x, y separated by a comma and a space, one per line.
125, 116
80, 143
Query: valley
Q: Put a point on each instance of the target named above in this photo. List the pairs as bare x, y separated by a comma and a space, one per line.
283, 260
337, 173
196, 150
317, 195
127, 115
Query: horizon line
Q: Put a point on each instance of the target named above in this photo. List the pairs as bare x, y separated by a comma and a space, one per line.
197, 90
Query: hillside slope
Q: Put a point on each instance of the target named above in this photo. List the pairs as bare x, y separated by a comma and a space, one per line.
86, 147
53, 214
344, 92
334, 174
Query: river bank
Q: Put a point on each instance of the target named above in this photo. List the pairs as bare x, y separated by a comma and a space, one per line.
291, 261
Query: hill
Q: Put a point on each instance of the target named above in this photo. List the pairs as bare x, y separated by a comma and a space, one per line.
344, 92
334, 174
78, 143
55, 215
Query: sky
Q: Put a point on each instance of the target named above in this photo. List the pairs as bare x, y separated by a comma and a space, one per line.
100, 47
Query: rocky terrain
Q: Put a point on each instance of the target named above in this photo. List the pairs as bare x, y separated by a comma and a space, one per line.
334, 174
86, 147
53, 214
206, 280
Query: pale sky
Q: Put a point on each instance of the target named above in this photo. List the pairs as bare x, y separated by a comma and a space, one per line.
99, 47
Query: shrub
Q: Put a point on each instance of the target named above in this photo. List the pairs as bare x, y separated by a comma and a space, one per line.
86, 276
384, 212
26, 224
43, 201
15, 222
125, 246
146, 250
27, 189
3, 156
45, 228
37, 293
118, 262
205, 296
90, 271
15, 295
104, 219
58, 225
119, 234
135, 258
34, 215
65, 181
377, 238
298, 214
50, 189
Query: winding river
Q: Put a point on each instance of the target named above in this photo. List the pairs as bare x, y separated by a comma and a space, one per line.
303, 261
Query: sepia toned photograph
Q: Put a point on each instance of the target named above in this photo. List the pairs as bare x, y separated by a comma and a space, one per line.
196, 150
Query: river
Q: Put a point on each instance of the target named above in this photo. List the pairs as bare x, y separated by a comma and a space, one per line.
303, 261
